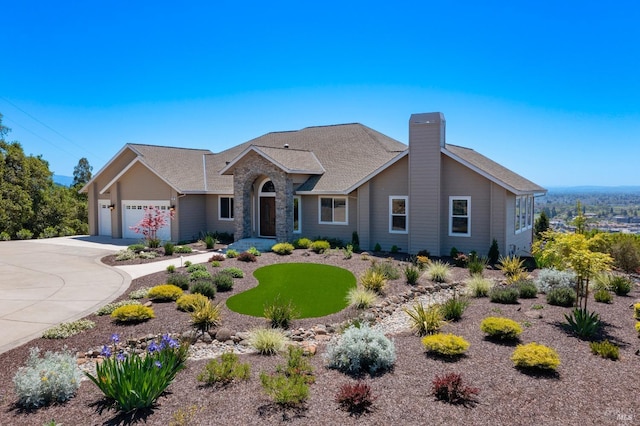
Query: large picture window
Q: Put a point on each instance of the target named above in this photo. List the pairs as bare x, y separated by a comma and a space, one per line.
333, 210
225, 208
523, 219
398, 214
460, 216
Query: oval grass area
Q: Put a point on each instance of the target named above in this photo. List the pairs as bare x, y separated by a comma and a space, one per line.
315, 290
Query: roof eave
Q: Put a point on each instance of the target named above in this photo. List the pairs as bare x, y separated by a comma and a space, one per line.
85, 188
128, 167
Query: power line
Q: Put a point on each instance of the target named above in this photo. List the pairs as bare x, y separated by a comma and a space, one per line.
37, 135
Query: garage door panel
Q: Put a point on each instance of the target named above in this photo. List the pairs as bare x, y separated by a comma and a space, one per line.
133, 213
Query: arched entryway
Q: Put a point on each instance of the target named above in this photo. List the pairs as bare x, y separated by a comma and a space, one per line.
267, 209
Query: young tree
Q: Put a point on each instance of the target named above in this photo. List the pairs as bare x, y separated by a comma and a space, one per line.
153, 220
81, 173
541, 225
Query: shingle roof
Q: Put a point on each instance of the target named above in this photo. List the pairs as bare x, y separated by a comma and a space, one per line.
289, 160
499, 173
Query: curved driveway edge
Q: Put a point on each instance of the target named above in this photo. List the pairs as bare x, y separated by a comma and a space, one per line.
49, 281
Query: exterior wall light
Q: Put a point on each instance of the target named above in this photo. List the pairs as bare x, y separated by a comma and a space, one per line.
112, 206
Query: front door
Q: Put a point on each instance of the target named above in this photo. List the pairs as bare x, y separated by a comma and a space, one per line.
267, 216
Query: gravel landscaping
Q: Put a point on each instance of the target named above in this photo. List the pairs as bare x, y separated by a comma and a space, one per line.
586, 390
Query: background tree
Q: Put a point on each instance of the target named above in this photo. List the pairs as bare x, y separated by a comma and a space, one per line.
541, 225
81, 174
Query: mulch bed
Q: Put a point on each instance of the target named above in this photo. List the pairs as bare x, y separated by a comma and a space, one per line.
587, 390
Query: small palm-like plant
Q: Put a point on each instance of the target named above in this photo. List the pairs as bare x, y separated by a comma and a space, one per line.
205, 314
583, 323
512, 267
425, 320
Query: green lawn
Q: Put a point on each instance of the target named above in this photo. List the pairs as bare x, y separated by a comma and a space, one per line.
315, 290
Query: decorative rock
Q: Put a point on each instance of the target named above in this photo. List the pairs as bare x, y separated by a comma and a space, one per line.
242, 335
148, 304
309, 348
206, 338
224, 334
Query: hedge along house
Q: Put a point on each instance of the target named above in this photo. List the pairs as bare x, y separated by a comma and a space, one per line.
328, 181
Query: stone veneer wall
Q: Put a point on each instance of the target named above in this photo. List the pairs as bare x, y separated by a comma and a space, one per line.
250, 168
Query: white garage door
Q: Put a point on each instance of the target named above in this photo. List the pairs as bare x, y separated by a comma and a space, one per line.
133, 213
104, 218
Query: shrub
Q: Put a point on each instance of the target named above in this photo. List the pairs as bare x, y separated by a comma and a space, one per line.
223, 281
422, 262
377, 247
165, 293
267, 341
196, 267
638, 328
136, 381
200, 275
476, 265
356, 398
347, 251
24, 234
450, 388
511, 266
203, 287
68, 329
535, 356
282, 248
453, 308
225, 370
280, 313
209, 241
179, 280
505, 295
147, 255
49, 232
361, 298
620, 285
187, 302
4, 236
500, 328
123, 255
168, 249
549, 279
233, 271
361, 349
460, 260
320, 246
494, 252
412, 274
245, 256
132, 313
231, 253
182, 249
289, 386
217, 257
625, 250
446, 345
602, 296
562, 296
372, 280
52, 378
425, 320
215, 264
636, 311
387, 269
302, 243
297, 364
136, 248
254, 251
394, 249
526, 289
438, 271
171, 269
606, 350
204, 314
187, 263
478, 286
110, 307
583, 323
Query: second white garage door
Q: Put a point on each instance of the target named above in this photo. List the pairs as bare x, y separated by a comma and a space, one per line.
133, 212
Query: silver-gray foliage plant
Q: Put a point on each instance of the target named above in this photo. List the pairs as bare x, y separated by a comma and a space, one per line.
52, 378
361, 349
550, 278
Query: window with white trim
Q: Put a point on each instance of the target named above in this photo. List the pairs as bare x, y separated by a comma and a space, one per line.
398, 214
333, 210
225, 208
523, 213
460, 216
297, 214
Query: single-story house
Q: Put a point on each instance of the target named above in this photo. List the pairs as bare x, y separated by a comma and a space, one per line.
330, 181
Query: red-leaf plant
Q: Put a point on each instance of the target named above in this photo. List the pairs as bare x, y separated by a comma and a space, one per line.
153, 220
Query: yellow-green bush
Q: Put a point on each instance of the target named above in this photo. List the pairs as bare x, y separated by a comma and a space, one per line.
320, 246
500, 328
638, 328
374, 281
535, 356
132, 313
636, 311
164, 292
282, 248
187, 302
445, 344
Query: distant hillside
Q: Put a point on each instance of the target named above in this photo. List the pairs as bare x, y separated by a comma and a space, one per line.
63, 180
594, 189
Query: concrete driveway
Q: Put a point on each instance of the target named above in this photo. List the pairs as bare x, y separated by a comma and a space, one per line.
45, 282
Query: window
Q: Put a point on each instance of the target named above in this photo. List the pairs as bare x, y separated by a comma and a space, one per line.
523, 213
333, 210
398, 212
460, 216
225, 208
297, 215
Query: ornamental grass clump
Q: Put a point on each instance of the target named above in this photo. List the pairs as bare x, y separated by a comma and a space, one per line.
620, 285
55, 377
231, 253
412, 274
534, 356
439, 271
387, 269
454, 307
268, 341
225, 370
132, 314
606, 350
602, 296
374, 281
135, 381
361, 350
445, 345
68, 329
425, 320
499, 328
478, 286
280, 313
164, 293
361, 298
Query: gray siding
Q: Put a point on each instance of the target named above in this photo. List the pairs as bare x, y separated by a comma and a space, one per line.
498, 217
190, 216
364, 215
212, 222
311, 228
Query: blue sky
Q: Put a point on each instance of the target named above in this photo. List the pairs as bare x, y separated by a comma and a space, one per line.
549, 89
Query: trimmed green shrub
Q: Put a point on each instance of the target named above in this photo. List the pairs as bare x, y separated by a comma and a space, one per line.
110, 307
500, 328
606, 350
535, 356
200, 275
164, 293
137, 248
279, 312
24, 234
361, 298
4, 236
133, 313
476, 264
168, 249
478, 286
267, 341
549, 279
562, 296
171, 269
360, 350
451, 388
453, 308
620, 285
231, 253
504, 294
374, 281
320, 246
412, 274
245, 256
302, 243
209, 241
215, 264
223, 281
233, 271
438, 271
182, 249
446, 345
425, 320
196, 267
187, 302
203, 287
526, 289
602, 296
225, 370
254, 251
52, 378
68, 329
494, 252
282, 248
387, 269
179, 280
